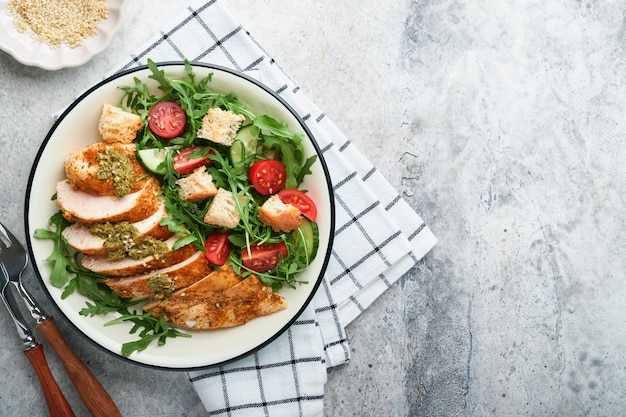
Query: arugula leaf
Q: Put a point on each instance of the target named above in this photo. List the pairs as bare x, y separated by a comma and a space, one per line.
306, 168
230, 102
159, 76
59, 256
277, 128
153, 329
69, 289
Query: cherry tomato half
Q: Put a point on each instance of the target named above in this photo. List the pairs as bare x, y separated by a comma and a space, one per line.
217, 247
263, 257
167, 119
184, 165
268, 176
300, 200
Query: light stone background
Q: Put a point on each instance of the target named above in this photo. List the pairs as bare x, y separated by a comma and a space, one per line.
502, 124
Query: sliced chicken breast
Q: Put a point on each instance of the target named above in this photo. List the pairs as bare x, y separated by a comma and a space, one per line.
181, 275
82, 207
230, 307
82, 240
218, 280
128, 266
82, 165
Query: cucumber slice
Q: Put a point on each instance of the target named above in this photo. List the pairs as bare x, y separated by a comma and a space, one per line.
243, 146
310, 232
152, 159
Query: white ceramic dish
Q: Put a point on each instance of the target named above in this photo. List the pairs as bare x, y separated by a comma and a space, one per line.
76, 128
22, 47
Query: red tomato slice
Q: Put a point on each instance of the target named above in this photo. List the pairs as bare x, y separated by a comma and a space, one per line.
184, 165
263, 257
167, 119
217, 247
268, 176
300, 200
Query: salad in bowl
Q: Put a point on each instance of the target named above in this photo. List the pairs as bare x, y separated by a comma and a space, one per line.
189, 218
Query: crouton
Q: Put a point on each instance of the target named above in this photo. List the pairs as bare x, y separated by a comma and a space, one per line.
223, 210
117, 125
220, 126
280, 216
197, 186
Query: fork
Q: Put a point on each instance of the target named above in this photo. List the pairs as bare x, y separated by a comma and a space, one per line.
13, 261
55, 399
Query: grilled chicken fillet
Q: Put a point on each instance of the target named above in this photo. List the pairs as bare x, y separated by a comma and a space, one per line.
128, 266
83, 207
80, 238
82, 165
205, 306
181, 274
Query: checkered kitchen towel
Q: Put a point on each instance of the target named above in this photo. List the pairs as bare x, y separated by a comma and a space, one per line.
371, 251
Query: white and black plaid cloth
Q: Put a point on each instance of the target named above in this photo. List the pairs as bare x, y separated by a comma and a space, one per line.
371, 250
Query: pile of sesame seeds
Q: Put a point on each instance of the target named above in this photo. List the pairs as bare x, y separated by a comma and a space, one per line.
58, 22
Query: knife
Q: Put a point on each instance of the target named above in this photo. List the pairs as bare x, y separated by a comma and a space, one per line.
57, 403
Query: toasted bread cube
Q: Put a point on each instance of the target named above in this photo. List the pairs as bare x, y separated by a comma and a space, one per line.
117, 125
197, 186
223, 210
280, 216
220, 126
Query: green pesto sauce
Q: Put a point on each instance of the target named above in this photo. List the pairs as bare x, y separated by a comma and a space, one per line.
121, 240
148, 246
116, 167
161, 284
115, 235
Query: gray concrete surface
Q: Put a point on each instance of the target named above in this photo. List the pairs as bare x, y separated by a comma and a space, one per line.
502, 124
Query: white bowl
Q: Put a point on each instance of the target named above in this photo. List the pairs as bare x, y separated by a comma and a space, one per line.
29, 52
76, 128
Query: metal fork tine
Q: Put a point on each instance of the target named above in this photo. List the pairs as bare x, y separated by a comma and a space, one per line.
5, 237
4, 271
13, 256
13, 261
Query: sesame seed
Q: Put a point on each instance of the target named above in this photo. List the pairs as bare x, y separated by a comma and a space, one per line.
58, 22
